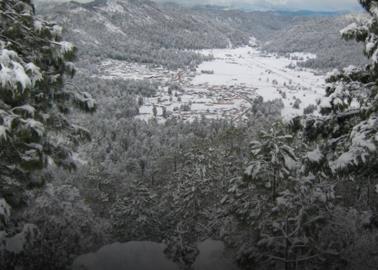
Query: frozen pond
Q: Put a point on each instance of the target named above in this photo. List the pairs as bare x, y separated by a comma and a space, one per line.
128, 256
147, 255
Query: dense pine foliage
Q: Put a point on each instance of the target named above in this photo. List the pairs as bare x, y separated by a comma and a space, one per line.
34, 130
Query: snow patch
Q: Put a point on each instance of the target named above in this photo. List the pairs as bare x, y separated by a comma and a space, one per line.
66, 47
113, 7
12, 73
57, 30
315, 155
5, 209
3, 133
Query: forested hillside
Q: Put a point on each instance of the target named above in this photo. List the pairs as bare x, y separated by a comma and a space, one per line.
143, 31
298, 193
287, 33
147, 32
321, 36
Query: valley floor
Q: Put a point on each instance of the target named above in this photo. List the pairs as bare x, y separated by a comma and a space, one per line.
225, 86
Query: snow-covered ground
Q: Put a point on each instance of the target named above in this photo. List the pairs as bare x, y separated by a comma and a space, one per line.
222, 87
267, 75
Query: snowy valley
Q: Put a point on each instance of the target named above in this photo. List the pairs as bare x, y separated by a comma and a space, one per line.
226, 86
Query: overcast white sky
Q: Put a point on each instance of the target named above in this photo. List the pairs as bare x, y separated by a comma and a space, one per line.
270, 4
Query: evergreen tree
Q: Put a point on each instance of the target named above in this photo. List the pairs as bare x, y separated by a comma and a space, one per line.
273, 159
347, 131
34, 129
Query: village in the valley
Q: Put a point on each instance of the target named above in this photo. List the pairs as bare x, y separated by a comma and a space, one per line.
225, 86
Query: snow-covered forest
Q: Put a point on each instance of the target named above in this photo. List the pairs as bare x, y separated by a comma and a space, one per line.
140, 135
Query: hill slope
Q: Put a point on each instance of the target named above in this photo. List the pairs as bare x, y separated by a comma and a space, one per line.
142, 31
321, 36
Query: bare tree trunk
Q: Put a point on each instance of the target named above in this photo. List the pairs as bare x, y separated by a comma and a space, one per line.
287, 263
274, 186
368, 191
175, 162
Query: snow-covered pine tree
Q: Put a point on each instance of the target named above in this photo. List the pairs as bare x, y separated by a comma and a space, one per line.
291, 229
347, 132
283, 232
272, 159
34, 130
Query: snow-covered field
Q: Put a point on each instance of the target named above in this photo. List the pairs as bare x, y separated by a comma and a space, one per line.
267, 75
222, 87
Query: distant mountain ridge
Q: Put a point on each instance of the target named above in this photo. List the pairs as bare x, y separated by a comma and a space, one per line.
310, 13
